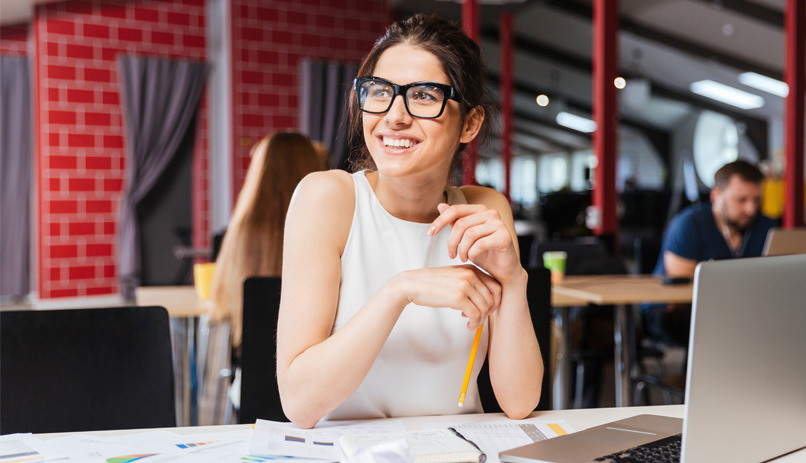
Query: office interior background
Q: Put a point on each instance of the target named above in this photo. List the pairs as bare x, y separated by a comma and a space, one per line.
700, 85
671, 137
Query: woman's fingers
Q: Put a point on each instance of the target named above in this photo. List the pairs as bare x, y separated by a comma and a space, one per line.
497, 239
464, 288
494, 287
459, 230
452, 213
474, 234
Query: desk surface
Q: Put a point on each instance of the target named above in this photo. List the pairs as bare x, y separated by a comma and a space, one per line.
622, 289
180, 301
578, 419
559, 299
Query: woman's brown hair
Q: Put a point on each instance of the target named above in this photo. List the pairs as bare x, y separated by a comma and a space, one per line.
461, 61
253, 244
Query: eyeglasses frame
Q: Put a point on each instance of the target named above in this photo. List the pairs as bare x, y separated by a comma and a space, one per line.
401, 90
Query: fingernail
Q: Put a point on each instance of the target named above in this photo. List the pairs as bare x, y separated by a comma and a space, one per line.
431, 230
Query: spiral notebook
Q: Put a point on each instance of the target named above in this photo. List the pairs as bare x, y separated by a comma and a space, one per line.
428, 446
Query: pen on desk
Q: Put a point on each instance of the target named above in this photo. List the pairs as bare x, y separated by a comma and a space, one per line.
470, 364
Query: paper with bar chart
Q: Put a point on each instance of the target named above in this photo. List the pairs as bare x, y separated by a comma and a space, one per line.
321, 442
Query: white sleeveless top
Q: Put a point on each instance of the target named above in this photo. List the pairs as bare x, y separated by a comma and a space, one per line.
421, 367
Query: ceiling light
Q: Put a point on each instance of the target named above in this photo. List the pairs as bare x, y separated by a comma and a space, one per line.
575, 122
728, 95
764, 83
620, 83
542, 100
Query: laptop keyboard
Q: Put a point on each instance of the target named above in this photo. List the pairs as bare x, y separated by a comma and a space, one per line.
661, 451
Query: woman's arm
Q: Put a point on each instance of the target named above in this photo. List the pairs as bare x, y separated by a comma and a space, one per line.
484, 232
316, 372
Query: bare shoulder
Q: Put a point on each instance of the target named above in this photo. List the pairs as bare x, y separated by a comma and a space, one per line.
490, 198
327, 184
324, 202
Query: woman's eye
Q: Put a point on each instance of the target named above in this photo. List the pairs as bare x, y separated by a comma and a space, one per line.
424, 96
381, 92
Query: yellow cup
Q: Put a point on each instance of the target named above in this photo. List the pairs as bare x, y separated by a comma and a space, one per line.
203, 279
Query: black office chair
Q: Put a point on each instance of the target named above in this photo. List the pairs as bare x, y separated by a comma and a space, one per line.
525, 246
647, 253
218, 241
260, 396
85, 370
538, 293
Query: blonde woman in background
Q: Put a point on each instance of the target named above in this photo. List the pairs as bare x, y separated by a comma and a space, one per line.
253, 244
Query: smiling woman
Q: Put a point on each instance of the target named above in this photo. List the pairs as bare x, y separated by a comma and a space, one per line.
381, 266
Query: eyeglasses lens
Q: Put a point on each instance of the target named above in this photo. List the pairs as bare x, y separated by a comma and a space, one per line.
422, 100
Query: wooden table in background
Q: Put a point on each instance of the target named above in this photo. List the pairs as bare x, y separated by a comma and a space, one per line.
179, 301
620, 291
623, 289
184, 306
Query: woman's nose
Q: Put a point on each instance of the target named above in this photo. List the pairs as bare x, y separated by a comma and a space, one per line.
397, 114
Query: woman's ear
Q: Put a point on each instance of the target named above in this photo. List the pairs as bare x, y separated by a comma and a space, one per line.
472, 125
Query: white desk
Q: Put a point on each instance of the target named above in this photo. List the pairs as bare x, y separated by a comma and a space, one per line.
578, 419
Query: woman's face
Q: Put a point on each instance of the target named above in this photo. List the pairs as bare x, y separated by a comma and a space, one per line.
402, 145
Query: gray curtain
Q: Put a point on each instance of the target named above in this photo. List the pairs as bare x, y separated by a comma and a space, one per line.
324, 89
160, 99
15, 176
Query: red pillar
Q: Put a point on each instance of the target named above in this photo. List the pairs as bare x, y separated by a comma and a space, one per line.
506, 99
605, 112
470, 23
796, 79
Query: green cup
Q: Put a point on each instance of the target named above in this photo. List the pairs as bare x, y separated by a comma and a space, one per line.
555, 262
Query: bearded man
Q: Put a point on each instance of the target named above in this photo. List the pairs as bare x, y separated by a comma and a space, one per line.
728, 227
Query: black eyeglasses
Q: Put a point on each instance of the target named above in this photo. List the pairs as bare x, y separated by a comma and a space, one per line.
425, 100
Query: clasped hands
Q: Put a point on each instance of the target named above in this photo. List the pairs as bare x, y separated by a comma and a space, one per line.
479, 236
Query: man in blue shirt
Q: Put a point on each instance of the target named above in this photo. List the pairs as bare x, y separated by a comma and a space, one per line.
728, 227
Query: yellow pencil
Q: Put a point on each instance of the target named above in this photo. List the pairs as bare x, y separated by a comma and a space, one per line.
470, 364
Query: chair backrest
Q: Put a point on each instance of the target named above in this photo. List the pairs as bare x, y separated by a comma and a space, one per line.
218, 241
647, 253
578, 252
85, 369
525, 248
538, 293
260, 396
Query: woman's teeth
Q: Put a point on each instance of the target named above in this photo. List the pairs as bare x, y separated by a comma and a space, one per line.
399, 142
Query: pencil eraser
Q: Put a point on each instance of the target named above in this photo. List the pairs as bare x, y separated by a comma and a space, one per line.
460, 404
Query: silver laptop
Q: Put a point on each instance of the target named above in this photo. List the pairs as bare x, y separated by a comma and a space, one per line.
785, 242
746, 384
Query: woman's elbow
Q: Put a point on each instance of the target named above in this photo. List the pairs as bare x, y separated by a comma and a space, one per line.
520, 409
298, 414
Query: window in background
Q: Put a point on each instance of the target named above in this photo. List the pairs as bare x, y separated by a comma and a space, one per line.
490, 172
716, 143
524, 180
552, 172
582, 165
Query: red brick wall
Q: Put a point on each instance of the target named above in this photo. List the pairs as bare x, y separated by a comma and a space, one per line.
269, 37
80, 135
14, 40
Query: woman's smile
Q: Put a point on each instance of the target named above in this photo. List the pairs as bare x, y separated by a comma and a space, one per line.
396, 143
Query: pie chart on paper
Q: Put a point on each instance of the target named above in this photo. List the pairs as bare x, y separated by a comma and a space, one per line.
128, 458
